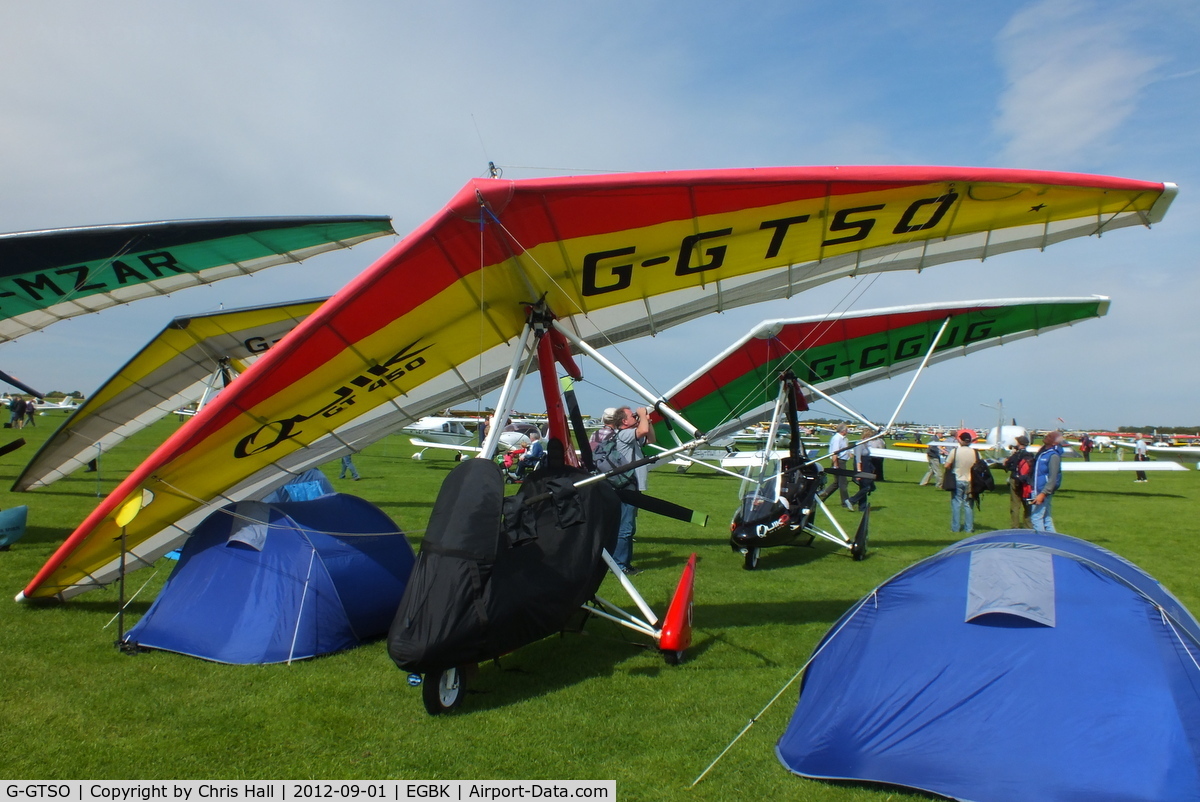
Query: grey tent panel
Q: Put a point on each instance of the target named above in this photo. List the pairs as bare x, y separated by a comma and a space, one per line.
253, 535
1014, 581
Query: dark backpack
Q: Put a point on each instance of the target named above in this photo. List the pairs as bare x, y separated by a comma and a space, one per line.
1022, 473
606, 453
981, 477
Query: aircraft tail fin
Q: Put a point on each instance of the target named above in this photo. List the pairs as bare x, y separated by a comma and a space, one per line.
676, 635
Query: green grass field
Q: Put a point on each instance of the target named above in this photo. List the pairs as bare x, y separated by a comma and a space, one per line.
591, 705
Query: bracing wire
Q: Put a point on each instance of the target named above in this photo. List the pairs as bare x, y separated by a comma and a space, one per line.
571, 299
482, 322
561, 170
857, 291
846, 302
129, 601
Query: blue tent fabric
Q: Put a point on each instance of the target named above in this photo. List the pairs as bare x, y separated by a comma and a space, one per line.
269, 583
12, 525
1102, 703
305, 487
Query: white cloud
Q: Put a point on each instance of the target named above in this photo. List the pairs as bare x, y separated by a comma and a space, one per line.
1072, 76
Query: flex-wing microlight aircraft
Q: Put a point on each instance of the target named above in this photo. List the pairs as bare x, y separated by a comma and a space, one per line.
55, 274
497, 573
783, 504
439, 319
834, 355
187, 362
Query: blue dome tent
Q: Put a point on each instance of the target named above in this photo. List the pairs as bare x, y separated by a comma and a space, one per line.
271, 583
1011, 666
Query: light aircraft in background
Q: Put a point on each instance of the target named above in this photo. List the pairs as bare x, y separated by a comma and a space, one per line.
453, 434
1001, 440
1169, 452
433, 431
42, 405
67, 404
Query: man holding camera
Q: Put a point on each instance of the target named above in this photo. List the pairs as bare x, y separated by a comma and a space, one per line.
633, 431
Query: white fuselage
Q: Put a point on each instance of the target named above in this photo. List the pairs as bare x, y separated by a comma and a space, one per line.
447, 431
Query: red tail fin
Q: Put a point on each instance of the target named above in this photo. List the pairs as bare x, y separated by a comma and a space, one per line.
676, 632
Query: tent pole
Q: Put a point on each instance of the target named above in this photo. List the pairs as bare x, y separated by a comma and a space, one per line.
303, 596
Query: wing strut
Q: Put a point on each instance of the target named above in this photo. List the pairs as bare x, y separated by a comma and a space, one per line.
508, 395
916, 376
659, 404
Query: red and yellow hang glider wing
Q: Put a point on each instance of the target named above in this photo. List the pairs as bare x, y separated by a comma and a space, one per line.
433, 321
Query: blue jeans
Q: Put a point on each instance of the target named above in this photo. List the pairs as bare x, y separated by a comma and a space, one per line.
1039, 516
960, 503
347, 465
624, 551
859, 499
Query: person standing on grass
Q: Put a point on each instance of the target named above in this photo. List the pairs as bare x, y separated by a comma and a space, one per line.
839, 457
1085, 447
1140, 455
1047, 478
933, 455
16, 410
633, 431
348, 466
863, 463
1020, 488
961, 460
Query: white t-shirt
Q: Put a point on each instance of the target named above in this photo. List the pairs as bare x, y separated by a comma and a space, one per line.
838, 445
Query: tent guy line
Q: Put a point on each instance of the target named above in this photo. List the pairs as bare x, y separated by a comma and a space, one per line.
849, 617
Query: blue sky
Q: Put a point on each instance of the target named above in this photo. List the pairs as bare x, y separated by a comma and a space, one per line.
133, 111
